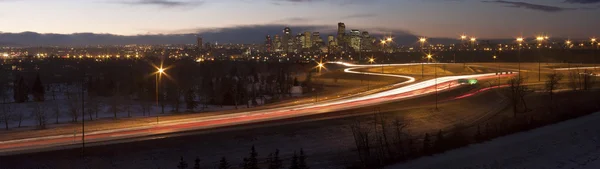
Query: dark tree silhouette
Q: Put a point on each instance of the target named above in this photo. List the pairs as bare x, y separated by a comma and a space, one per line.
302, 160
274, 161
38, 89
223, 164
182, 164
439, 144
197, 163
252, 161
294, 163
426, 144
21, 91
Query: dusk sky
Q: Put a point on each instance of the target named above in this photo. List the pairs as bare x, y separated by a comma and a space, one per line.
432, 18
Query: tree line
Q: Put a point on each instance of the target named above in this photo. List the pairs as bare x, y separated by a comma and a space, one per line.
273, 161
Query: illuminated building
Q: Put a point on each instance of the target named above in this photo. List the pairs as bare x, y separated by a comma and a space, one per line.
355, 39
316, 39
268, 44
341, 33
331, 41
287, 40
199, 42
307, 43
277, 44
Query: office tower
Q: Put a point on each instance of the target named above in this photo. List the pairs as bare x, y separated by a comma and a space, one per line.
367, 41
268, 44
341, 33
287, 40
199, 42
277, 44
355, 40
316, 39
331, 41
307, 40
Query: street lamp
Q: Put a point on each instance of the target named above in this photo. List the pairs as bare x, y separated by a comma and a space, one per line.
371, 60
159, 72
422, 40
595, 52
540, 40
519, 41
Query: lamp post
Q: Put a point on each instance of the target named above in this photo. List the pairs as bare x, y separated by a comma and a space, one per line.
320, 66
595, 52
473, 41
540, 40
429, 58
422, 41
567, 47
159, 72
497, 70
462, 44
519, 41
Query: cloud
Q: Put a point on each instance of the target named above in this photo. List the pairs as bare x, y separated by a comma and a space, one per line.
163, 3
339, 2
525, 5
293, 20
582, 1
363, 15
236, 34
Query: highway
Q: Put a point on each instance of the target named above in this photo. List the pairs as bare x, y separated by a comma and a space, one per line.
404, 90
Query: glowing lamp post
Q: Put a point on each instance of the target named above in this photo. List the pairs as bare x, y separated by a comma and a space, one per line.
519, 41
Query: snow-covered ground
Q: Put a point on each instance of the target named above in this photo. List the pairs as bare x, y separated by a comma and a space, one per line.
58, 102
574, 144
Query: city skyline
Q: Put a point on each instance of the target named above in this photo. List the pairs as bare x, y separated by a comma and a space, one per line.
483, 19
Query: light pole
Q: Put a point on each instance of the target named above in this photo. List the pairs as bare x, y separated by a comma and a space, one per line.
462, 44
568, 47
320, 66
497, 70
422, 40
519, 41
430, 57
159, 72
540, 40
595, 53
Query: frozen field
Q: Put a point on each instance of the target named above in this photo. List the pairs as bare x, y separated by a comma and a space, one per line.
574, 144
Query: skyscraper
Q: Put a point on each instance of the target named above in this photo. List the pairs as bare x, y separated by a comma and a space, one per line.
331, 41
287, 40
355, 40
341, 33
268, 44
316, 39
199, 42
277, 44
307, 40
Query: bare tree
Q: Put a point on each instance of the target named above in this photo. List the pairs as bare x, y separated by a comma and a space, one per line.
74, 106
126, 105
39, 112
574, 80
588, 80
56, 112
114, 105
517, 92
92, 107
553, 83
6, 114
19, 117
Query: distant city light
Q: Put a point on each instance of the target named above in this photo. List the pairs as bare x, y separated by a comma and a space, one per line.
539, 38
519, 39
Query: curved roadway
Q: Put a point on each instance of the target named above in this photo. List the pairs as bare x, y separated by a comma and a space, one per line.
394, 94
